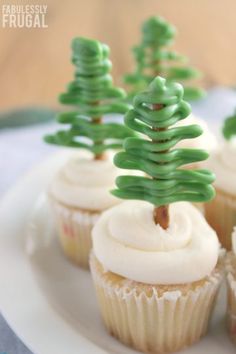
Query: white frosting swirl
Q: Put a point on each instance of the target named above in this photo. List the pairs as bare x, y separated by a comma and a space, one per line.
86, 183
223, 163
205, 141
127, 242
234, 240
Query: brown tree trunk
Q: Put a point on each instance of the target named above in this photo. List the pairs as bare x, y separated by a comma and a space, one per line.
98, 120
101, 156
161, 214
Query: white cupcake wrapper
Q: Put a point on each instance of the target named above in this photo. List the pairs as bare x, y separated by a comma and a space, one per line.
231, 305
156, 324
74, 230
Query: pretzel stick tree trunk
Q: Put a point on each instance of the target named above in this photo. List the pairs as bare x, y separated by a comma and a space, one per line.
161, 213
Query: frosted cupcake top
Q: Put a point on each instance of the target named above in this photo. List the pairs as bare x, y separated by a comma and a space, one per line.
127, 242
223, 163
85, 183
155, 240
205, 141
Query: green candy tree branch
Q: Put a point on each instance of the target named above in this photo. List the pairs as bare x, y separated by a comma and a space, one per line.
152, 59
155, 113
92, 95
229, 127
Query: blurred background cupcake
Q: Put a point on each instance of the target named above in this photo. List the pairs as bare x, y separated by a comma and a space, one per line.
206, 141
221, 212
80, 190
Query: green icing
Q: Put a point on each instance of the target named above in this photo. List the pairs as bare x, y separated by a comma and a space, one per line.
153, 59
93, 95
229, 127
156, 156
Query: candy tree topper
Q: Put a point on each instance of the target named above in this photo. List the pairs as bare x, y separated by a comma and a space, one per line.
152, 59
155, 113
229, 127
92, 95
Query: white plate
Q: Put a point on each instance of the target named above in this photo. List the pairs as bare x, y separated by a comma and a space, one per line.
48, 302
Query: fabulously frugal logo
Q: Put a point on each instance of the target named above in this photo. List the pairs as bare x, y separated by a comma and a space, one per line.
24, 16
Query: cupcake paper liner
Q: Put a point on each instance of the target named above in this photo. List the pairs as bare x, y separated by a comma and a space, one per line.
155, 319
74, 227
231, 288
221, 215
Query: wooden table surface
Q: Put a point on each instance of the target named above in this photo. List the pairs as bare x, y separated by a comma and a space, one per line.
35, 63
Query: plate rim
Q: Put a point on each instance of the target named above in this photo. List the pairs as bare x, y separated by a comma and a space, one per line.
20, 325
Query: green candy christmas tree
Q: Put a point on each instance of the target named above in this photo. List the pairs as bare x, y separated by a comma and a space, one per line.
153, 59
155, 113
229, 127
93, 95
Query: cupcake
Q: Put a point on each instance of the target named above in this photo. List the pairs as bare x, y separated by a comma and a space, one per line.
80, 190
221, 212
78, 193
155, 266
155, 288
231, 287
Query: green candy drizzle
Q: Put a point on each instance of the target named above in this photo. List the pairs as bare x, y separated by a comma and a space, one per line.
229, 127
156, 156
93, 95
153, 59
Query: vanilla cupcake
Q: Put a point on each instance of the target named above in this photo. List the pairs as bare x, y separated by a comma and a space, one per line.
79, 193
221, 211
155, 260
80, 190
156, 288
231, 286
